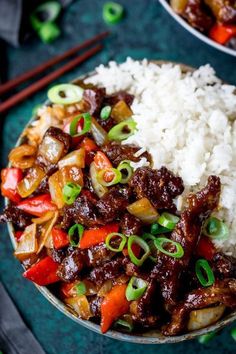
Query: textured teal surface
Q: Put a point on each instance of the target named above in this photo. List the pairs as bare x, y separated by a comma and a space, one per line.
147, 31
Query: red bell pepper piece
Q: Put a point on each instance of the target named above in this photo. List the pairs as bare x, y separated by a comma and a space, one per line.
113, 306
101, 161
93, 237
18, 235
37, 206
43, 273
89, 145
222, 33
60, 238
67, 289
205, 248
10, 178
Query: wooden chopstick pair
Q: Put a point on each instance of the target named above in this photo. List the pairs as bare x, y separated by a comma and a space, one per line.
38, 85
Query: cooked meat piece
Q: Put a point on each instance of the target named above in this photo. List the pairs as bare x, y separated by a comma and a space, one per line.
95, 99
97, 255
223, 292
198, 15
224, 10
95, 305
58, 255
159, 186
117, 153
224, 266
108, 270
168, 270
12, 214
113, 203
119, 96
130, 225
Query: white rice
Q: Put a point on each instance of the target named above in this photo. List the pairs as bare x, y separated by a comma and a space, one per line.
187, 123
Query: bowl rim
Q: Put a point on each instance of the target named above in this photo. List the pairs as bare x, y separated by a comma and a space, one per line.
139, 338
195, 32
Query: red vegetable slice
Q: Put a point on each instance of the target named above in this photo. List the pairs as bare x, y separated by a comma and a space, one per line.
60, 238
205, 248
10, 178
37, 206
222, 33
43, 273
93, 237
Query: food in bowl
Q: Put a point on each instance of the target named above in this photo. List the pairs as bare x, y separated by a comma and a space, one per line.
122, 196
215, 18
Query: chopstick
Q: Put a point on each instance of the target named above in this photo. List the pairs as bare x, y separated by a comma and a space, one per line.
38, 85
4, 88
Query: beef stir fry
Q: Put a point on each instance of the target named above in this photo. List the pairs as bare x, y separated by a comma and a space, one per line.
216, 18
103, 231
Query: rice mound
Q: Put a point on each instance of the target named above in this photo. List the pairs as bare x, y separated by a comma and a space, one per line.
186, 121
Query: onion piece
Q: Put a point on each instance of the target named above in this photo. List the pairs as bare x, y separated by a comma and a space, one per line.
30, 183
55, 188
121, 111
28, 243
43, 218
80, 305
22, 156
204, 317
75, 158
98, 188
99, 134
45, 239
143, 210
72, 174
105, 288
51, 148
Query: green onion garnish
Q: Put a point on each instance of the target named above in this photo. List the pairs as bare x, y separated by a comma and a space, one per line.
48, 32
168, 220
122, 130
70, 192
161, 241
65, 94
135, 288
115, 173
205, 338
143, 244
80, 288
233, 333
216, 229
125, 325
149, 238
126, 171
45, 13
112, 12
105, 112
157, 229
87, 121
200, 266
112, 237
75, 233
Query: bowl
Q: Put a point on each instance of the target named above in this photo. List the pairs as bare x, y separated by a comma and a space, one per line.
148, 337
195, 32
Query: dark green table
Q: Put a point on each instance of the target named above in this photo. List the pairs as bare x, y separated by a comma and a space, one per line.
147, 31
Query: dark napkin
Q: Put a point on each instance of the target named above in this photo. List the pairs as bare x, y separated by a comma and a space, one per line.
15, 337
14, 19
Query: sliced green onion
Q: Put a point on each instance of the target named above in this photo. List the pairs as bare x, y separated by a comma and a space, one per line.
115, 179
168, 220
70, 192
65, 94
205, 338
44, 13
75, 233
143, 244
87, 119
200, 266
157, 229
233, 333
161, 241
35, 110
112, 12
125, 325
135, 288
48, 32
126, 171
111, 237
216, 229
105, 112
149, 238
81, 288
122, 130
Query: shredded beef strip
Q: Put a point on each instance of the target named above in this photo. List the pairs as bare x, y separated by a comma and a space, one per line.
18, 217
94, 97
222, 292
224, 266
109, 270
130, 225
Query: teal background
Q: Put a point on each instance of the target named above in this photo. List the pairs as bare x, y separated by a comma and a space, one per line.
147, 31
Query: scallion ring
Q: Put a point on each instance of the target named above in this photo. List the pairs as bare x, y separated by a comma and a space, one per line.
143, 244
87, 121
149, 238
112, 12
75, 233
205, 338
216, 229
122, 130
233, 333
115, 173
159, 242
200, 266
168, 220
135, 288
126, 171
157, 229
125, 325
48, 32
80, 288
111, 237
105, 112
70, 192
65, 94
45, 13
